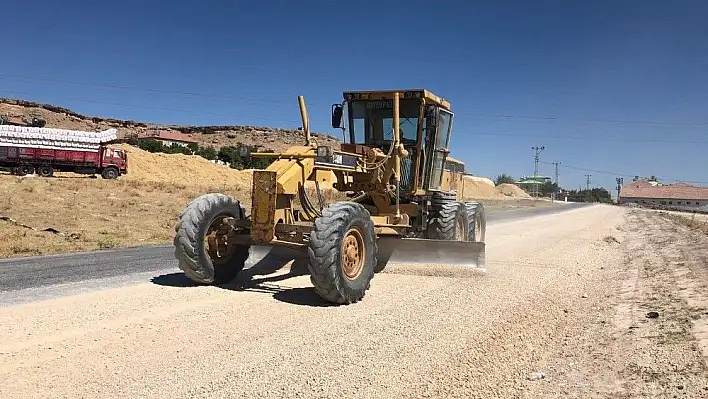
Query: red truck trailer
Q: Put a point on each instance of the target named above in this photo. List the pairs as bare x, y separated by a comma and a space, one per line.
30, 149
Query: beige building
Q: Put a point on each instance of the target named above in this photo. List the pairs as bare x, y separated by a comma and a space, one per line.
168, 138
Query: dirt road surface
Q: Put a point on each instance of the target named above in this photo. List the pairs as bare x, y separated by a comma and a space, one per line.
562, 313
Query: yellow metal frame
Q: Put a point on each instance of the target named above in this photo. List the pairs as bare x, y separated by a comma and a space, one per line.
275, 188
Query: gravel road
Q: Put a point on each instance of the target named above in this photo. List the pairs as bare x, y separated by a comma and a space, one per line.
558, 303
45, 277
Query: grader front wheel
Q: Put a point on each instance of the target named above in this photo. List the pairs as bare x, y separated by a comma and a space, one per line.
342, 253
202, 240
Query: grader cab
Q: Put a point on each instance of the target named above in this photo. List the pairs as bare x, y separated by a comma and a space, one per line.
390, 166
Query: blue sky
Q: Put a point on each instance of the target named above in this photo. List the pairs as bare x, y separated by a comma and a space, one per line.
613, 86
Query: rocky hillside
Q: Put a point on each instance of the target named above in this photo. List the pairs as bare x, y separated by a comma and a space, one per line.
213, 136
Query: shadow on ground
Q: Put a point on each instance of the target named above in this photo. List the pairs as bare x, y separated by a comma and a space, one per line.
259, 278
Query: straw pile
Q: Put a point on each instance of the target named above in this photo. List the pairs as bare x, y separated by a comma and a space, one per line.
482, 188
512, 190
144, 166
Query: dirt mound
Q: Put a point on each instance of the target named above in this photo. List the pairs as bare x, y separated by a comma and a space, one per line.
481, 180
475, 188
180, 169
482, 188
512, 190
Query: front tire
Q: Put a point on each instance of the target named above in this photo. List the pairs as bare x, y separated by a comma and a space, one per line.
342, 253
202, 263
110, 173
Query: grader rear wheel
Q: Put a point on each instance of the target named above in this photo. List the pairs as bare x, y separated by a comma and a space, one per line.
450, 224
342, 253
477, 221
202, 240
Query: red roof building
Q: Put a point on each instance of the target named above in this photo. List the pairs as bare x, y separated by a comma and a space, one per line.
680, 195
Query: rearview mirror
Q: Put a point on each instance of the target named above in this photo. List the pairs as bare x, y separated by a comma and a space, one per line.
244, 151
337, 112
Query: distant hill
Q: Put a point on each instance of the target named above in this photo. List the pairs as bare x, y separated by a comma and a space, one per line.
213, 136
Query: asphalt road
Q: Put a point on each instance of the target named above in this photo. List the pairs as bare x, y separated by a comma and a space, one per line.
44, 277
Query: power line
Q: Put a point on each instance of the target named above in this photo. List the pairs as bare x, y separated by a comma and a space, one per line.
251, 100
596, 139
587, 182
190, 111
147, 89
602, 172
456, 133
555, 118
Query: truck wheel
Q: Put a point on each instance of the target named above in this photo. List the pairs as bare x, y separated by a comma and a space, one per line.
342, 253
450, 224
110, 173
45, 171
477, 221
25, 170
217, 260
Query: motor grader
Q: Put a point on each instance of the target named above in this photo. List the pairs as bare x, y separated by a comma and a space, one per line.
390, 166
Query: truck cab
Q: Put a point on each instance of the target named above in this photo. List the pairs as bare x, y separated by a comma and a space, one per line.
114, 162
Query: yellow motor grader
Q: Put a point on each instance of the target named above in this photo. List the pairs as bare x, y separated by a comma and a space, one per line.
390, 166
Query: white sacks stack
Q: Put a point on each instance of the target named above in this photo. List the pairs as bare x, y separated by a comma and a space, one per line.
51, 138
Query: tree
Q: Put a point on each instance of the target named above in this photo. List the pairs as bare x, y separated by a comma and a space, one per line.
595, 195
504, 178
547, 188
207, 152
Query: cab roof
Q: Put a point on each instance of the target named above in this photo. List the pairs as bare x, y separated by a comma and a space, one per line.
429, 96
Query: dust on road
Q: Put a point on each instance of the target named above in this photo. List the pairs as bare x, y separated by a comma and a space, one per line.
565, 299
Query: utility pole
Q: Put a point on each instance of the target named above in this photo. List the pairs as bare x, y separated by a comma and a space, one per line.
620, 182
537, 152
557, 190
556, 164
587, 182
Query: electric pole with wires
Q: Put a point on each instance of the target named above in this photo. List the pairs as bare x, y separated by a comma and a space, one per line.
620, 182
557, 190
536, 157
587, 182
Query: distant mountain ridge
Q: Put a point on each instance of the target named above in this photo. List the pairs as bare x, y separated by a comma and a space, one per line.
212, 135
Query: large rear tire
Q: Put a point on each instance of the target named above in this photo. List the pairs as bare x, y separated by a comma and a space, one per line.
477, 221
450, 223
45, 171
201, 262
342, 253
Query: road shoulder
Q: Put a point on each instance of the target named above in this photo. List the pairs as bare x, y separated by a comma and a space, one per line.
643, 331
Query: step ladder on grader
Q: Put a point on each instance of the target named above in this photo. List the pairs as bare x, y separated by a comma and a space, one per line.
391, 167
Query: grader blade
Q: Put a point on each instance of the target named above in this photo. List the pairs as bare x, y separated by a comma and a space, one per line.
418, 251
272, 256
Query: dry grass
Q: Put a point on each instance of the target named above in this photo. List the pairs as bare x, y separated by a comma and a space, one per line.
101, 214
691, 220
139, 208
